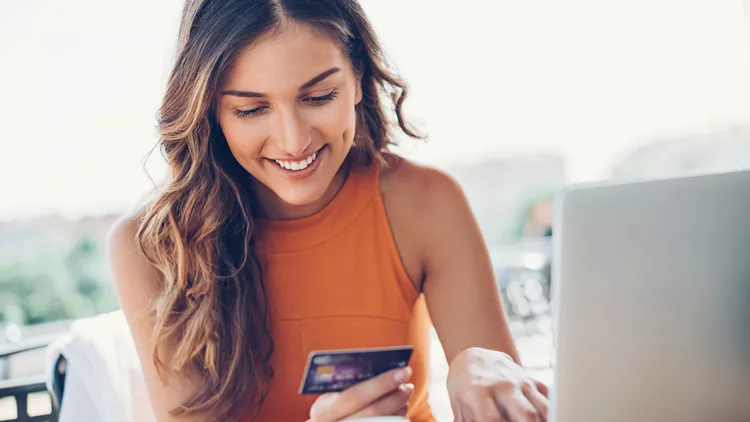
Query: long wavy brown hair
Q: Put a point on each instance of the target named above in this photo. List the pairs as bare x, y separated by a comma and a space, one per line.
199, 230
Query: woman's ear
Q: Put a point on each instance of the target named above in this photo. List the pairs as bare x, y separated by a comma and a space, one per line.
358, 94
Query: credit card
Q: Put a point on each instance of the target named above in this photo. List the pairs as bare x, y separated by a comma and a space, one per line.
336, 370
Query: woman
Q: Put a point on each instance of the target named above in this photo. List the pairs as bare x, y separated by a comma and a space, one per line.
287, 227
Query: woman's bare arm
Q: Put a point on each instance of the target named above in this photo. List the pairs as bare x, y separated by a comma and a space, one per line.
444, 253
137, 284
459, 283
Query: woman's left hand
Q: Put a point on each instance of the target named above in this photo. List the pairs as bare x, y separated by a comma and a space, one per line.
485, 385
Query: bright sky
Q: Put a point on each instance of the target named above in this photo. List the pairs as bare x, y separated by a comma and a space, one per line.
81, 82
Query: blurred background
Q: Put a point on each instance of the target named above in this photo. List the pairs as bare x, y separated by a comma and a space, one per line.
518, 99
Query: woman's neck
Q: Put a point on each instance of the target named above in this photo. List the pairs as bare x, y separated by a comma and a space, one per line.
274, 208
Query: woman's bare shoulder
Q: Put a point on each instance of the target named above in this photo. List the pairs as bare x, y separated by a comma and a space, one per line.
418, 187
420, 201
122, 235
137, 282
122, 244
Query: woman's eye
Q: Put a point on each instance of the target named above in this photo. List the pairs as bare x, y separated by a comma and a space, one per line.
247, 113
323, 99
312, 100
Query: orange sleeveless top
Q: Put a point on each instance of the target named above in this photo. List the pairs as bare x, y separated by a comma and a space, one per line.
335, 281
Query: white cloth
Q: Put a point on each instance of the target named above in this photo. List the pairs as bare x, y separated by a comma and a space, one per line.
103, 381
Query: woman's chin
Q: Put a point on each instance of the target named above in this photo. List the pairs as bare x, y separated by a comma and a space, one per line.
300, 200
302, 195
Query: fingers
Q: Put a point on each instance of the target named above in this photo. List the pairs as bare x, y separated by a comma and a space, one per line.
323, 410
337, 406
480, 407
403, 411
541, 387
537, 398
507, 402
518, 407
456, 407
390, 405
365, 392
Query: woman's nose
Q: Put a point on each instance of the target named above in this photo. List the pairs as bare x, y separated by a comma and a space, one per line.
293, 133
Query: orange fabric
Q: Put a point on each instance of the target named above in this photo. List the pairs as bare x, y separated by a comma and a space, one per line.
335, 281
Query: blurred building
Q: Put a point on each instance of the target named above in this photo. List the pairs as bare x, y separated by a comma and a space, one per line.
708, 152
503, 192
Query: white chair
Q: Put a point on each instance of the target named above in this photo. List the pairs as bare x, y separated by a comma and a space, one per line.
96, 374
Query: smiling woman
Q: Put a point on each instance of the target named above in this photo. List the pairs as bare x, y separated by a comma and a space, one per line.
288, 226
306, 106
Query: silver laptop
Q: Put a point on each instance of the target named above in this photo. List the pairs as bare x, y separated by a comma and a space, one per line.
651, 298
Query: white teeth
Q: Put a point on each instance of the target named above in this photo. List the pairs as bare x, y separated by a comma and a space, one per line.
297, 165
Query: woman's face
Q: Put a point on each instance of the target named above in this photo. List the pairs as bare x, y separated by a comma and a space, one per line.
287, 110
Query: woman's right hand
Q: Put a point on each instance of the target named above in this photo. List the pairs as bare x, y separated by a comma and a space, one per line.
385, 395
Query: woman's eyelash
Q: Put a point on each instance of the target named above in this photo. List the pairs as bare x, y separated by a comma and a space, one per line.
246, 113
314, 100
324, 98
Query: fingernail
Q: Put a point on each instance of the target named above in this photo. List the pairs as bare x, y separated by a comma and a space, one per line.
403, 374
407, 388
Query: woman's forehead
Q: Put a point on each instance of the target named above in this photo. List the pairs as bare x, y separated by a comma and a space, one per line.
287, 57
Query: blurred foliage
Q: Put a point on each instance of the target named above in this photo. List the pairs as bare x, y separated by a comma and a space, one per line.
74, 283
